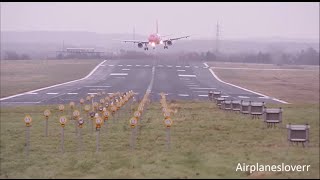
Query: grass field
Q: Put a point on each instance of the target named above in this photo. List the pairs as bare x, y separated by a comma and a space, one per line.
293, 86
25, 75
206, 142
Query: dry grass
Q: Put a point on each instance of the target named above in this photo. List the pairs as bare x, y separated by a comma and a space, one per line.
261, 66
206, 142
25, 75
294, 86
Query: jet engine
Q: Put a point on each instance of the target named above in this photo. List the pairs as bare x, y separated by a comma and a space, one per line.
140, 45
169, 43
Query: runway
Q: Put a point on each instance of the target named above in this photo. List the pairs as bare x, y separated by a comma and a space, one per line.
180, 80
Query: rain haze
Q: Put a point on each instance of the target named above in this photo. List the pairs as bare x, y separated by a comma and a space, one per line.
159, 90
238, 20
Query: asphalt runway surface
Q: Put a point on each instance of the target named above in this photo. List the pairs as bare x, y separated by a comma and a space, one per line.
180, 80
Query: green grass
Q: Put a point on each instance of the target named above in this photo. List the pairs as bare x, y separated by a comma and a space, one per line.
18, 76
206, 142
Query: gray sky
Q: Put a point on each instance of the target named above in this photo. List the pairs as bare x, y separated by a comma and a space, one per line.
238, 20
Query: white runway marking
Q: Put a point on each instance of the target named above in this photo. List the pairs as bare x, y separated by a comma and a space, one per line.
203, 95
9, 97
181, 70
224, 96
187, 75
196, 66
92, 93
206, 64
72, 93
147, 65
204, 67
178, 66
169, 66
215, 76
120, 65
202, 88
243, 96
52, 93
194, 85
118, 74
97, 86
152, 80
129, 65
125, 69
264, 97
119, 77
22, 102
187, 66
264, 69
110, 65
138, 65
183, 94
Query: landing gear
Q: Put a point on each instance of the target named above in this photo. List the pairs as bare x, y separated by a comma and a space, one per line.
165, 47
146, 48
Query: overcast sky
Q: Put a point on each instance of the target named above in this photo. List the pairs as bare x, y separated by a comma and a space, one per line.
237, 20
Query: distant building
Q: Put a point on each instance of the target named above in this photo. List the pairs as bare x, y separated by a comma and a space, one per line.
78, 53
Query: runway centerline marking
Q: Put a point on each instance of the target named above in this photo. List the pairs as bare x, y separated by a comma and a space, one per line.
72, 93
125, 69
202, 88
183, 94
110, 65
187, 66
138, 65
203, 95
118, 74
129, 65
178, 66
181, 70
243, 96
187, 75
52, 93
120, 65
97, 86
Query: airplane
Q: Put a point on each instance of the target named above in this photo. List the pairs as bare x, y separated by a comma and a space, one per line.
155, 39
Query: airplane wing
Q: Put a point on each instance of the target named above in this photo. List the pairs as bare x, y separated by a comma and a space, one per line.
135, 41
177, 38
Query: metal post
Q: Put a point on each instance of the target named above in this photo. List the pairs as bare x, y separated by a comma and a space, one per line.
46, 127
28, 140
62, 139
98, 139
168, 139
80, 139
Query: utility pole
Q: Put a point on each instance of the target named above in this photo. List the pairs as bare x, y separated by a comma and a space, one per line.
217, 37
